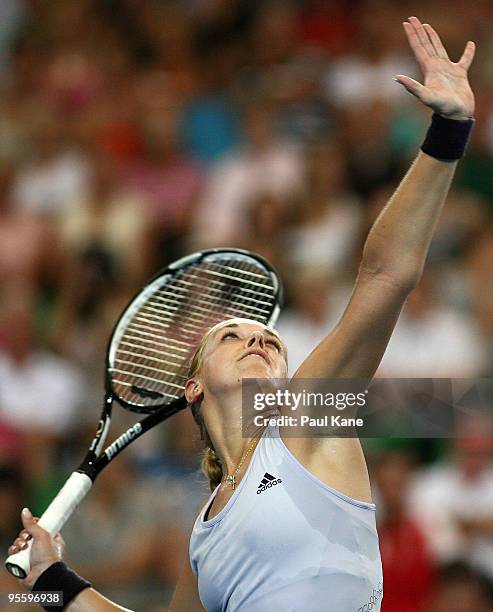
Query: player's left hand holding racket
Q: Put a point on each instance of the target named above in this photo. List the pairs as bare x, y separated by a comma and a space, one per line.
149, 352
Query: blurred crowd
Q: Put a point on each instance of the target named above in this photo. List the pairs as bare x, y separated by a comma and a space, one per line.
136, 131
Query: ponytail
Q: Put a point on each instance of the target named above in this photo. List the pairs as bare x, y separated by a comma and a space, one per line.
212, 468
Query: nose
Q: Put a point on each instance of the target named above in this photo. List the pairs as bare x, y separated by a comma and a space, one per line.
256, 338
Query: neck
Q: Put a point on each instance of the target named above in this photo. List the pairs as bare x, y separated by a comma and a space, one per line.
224, 423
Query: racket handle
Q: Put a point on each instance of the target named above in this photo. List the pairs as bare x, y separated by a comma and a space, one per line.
52, 519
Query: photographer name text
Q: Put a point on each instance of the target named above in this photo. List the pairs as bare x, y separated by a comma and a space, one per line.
284, 420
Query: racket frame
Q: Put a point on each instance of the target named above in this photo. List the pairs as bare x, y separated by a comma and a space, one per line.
80, 482
139, 299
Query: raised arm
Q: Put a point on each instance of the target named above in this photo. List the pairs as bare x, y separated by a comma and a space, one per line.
398, 243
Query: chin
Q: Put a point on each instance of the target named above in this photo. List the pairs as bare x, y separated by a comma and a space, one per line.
260, 369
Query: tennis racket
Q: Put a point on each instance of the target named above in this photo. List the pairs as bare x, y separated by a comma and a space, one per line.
149, 352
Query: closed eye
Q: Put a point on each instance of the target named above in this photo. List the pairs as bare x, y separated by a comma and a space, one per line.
229, 335
275, 344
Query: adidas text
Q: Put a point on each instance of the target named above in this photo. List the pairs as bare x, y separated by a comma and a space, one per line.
267, 482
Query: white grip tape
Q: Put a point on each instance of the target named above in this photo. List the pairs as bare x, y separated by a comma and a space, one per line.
53, 519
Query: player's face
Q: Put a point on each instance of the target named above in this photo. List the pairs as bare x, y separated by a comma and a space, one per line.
242, 350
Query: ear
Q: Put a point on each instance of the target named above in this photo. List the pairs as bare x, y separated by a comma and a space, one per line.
193, 390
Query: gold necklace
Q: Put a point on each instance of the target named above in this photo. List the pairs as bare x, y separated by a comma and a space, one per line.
231, 479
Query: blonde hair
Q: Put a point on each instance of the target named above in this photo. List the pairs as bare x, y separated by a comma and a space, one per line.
211, 465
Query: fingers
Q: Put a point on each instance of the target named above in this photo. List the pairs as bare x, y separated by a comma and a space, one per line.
29, 522
435, 41
426, 44
20, 543
468, 55
411, 85
419, 51
422, 36
30, 527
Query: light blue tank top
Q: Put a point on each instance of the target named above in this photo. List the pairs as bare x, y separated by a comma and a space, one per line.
286, 542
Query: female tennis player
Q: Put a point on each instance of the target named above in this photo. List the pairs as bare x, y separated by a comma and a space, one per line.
290, 523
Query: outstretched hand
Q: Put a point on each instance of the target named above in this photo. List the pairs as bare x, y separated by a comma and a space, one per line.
446, 88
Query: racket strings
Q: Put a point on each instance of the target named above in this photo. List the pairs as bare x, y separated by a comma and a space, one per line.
185, 285
174, 304
148, 367
163, 343
211, 305
194, 329
166, 327
149, 357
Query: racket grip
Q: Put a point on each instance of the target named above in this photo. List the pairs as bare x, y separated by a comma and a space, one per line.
52, 519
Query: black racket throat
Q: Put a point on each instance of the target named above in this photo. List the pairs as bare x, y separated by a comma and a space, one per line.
97, 459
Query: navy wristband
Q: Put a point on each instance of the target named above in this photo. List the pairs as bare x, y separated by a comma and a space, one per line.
59, 577
447, 139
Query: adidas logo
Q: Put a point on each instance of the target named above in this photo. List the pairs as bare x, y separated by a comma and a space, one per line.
267, 482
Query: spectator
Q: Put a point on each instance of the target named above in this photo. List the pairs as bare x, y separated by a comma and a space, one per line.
370, 159
475, 173
433, 340
264, 166
480, 267
327, 27
124, 561
462, 590
30, 374
54, 177
113, 220
364, 74
453, 500
25, 255
409, 577
267, 221
328, 223
166, 179
40, 392
90, 299
315, 307
12, 14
